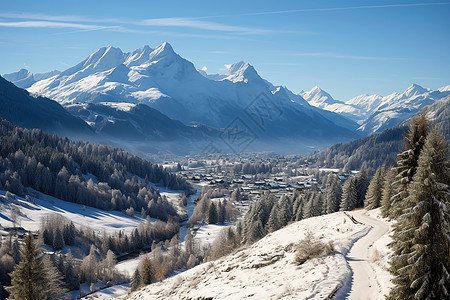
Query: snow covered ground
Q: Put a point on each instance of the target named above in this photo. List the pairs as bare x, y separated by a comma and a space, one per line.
32, 213
368, 260
266, 269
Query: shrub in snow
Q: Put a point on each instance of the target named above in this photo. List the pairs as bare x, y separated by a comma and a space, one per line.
311, 247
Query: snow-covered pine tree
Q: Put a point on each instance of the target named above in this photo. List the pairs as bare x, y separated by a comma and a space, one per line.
55, 287
317, 204
349, 194
285, 211
147, 272
211, 217
387, 192
362, 183
136, 280
407, 162
421, 257
29, 280
333, 194
308, 210
58, 239
273, 224
375, 189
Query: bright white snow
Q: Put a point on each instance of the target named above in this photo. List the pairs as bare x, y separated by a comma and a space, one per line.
266, 269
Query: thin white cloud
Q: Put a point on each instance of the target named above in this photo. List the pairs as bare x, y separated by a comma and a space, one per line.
47, 24
227, 66
324, 9
205, 25
204, 68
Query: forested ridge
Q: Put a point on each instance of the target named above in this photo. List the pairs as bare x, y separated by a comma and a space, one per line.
89, 174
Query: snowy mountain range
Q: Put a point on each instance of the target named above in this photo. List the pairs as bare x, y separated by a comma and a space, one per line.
163, 80
374, 113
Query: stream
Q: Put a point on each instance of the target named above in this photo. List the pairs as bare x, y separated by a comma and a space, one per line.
190, 210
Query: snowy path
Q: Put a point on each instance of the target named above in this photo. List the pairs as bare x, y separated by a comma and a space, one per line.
365, 284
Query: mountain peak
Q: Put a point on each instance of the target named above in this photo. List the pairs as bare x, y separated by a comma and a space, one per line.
21, 74
242, 71
139, 56
165, 49
236, 67
415, 89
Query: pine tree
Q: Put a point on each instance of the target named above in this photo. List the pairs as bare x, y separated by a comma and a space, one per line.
146, 271
55, 288
362, 183
407, 162
136, 280
212, 214
421, 257
285, 212
29, 280
349, 195
387, 192
333, 194
58, 240
273, 224
71, 279
375, 189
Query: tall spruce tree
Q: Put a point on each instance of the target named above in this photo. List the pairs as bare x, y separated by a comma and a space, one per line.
407, 162
387, 192
362, 183
375, 190
349, 194
136, 280
420, 262
29, 280
147, 273
333, 194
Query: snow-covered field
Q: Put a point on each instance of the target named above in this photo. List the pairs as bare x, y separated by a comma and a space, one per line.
96, 219
266, 269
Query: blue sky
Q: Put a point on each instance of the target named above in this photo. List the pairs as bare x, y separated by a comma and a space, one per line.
346, 47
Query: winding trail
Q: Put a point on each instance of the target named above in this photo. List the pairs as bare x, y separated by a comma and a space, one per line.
364, 283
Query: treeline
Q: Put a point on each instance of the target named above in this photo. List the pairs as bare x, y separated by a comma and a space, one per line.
416, 193
216, 211
89, 174
91, 256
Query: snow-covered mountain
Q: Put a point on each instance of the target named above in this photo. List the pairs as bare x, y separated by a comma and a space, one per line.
163, 80
20, 108
321, 99
375, 113
385, 112
24, 78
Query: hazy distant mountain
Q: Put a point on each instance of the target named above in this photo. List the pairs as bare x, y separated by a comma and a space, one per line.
321, 99
374, 150
144, 127
163, 80
24, 78
24, 110
397, 107
375, 113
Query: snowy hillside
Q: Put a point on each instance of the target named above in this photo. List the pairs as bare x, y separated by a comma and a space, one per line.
31, 214
163, 80
266, 269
